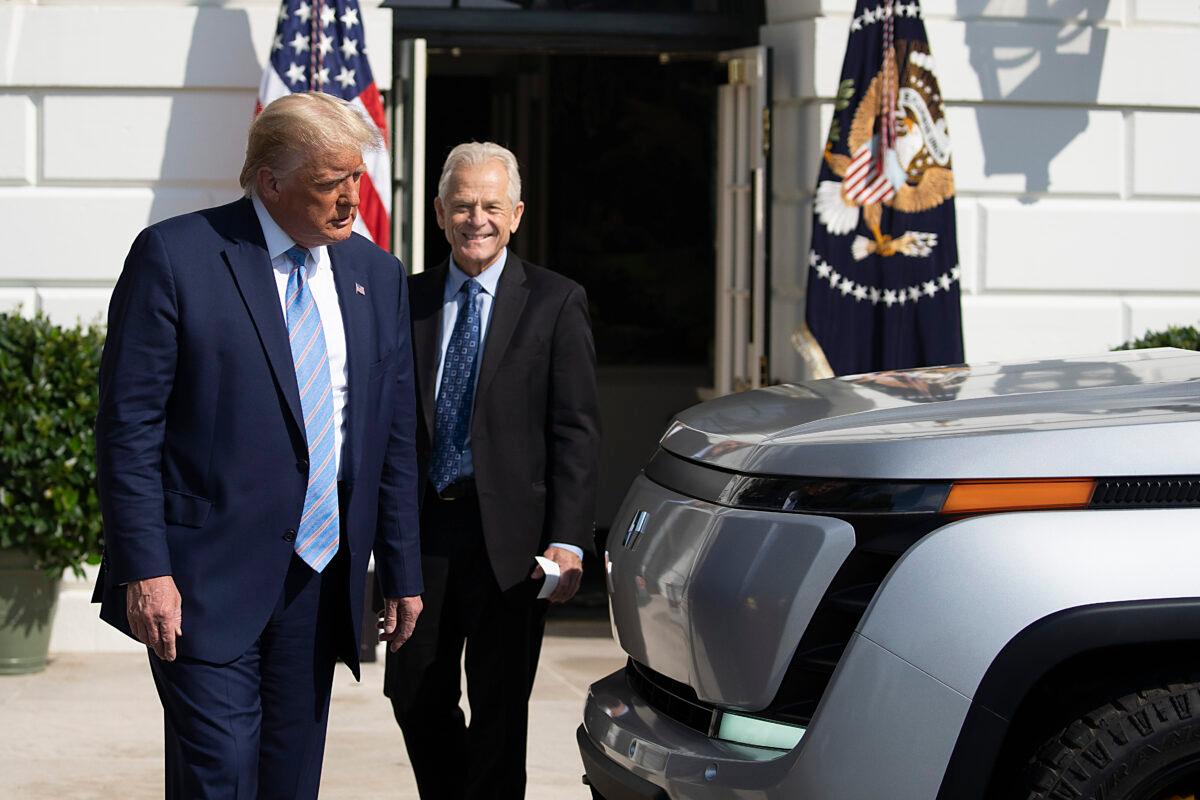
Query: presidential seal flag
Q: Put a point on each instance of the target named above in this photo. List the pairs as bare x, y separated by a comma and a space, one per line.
883, 274
320, 46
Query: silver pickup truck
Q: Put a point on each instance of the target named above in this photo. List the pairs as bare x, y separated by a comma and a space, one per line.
950, 583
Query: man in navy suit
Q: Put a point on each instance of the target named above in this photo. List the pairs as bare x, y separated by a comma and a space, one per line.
255, 444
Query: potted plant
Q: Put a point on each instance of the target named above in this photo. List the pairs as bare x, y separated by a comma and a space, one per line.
49, 511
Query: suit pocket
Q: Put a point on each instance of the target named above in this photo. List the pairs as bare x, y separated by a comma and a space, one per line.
380, 366
181, 508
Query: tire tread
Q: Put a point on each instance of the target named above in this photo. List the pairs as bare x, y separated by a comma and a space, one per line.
1093, 750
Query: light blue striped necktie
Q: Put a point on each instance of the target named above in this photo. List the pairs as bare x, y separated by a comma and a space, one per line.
317, 538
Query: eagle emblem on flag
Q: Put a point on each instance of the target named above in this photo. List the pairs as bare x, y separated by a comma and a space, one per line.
915, 174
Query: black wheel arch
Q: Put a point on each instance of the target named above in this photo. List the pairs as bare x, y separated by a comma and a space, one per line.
1053, 662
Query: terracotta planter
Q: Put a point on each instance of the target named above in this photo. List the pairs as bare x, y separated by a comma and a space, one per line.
27, 602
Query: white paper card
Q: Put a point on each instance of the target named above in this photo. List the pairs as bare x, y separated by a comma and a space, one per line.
552, 572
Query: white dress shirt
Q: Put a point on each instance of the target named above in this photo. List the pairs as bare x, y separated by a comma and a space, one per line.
324, 292
452, 304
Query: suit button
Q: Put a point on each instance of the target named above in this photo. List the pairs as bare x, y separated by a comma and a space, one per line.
302, 466
289, 535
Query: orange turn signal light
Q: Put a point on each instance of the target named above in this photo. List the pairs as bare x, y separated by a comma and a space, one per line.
976, 497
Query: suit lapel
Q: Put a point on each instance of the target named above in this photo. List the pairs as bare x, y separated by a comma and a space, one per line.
356, 320
427, 331
511, 295
252, 272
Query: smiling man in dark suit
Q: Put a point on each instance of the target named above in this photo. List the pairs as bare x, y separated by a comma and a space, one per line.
255, 444
508, 447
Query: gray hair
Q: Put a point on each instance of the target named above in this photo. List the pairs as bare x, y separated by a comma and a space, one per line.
473, 154
298, 126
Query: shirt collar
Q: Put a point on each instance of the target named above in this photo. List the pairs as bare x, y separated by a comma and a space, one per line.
489, 279
278, 242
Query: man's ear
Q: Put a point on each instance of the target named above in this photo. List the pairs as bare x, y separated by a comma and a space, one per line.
517, 212
267, 184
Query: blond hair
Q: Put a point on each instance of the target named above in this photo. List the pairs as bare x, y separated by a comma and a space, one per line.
476, 153
300, 126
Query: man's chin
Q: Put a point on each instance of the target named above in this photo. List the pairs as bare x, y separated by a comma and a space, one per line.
340, 233
475, 258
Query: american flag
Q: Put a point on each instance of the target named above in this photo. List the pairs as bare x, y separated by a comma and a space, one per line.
319, 46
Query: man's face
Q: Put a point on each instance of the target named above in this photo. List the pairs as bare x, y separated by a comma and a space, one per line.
316, 203
477, 215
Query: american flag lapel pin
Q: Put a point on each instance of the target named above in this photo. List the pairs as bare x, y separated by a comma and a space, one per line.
358, 289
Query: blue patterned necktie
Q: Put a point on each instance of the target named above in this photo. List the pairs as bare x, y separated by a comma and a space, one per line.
456, 392
317, 538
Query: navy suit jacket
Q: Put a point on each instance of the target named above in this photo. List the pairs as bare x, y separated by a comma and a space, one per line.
201, 450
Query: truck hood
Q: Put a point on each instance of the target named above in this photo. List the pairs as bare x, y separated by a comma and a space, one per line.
1126, 413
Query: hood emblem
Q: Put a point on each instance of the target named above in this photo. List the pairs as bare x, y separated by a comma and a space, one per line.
637, 527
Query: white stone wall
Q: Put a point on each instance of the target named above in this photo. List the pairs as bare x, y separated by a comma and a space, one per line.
1077, 195
114, 115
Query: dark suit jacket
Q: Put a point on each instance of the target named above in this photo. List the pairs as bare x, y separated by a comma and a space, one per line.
535, 431
201, 449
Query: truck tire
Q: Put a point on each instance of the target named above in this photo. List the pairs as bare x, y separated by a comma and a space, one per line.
1143, 746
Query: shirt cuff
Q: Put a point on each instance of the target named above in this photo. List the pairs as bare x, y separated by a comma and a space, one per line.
572, 548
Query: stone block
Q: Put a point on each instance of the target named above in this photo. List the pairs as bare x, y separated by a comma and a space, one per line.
85, 234
177, 137
18, 132
75, 306
1158, 138
1167, 12
18, 300
1147, 314
1010, 328
1066, 245
1076, 151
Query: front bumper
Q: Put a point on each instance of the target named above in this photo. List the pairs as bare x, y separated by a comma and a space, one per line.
884, 729
633, 751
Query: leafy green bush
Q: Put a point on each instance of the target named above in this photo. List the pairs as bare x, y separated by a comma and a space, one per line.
48, 400
1182, 336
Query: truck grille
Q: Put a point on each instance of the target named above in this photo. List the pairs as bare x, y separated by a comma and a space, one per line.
880, 541
671, 698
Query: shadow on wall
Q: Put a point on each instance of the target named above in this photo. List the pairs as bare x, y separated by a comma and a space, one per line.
206, 130
1019, 62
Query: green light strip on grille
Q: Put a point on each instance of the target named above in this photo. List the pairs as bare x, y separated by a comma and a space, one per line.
758, 732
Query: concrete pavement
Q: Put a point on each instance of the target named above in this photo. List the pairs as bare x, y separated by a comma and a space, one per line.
90, 726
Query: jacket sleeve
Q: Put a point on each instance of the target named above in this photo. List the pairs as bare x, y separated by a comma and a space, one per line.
397, 538
573, 440
137, 371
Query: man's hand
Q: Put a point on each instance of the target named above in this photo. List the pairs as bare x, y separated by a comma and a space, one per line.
570, 568
398, 619
155, 613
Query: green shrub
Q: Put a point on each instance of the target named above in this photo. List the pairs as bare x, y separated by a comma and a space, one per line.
48, 399
1185, 337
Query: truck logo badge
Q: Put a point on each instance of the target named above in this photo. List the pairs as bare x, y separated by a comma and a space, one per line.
636, 527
